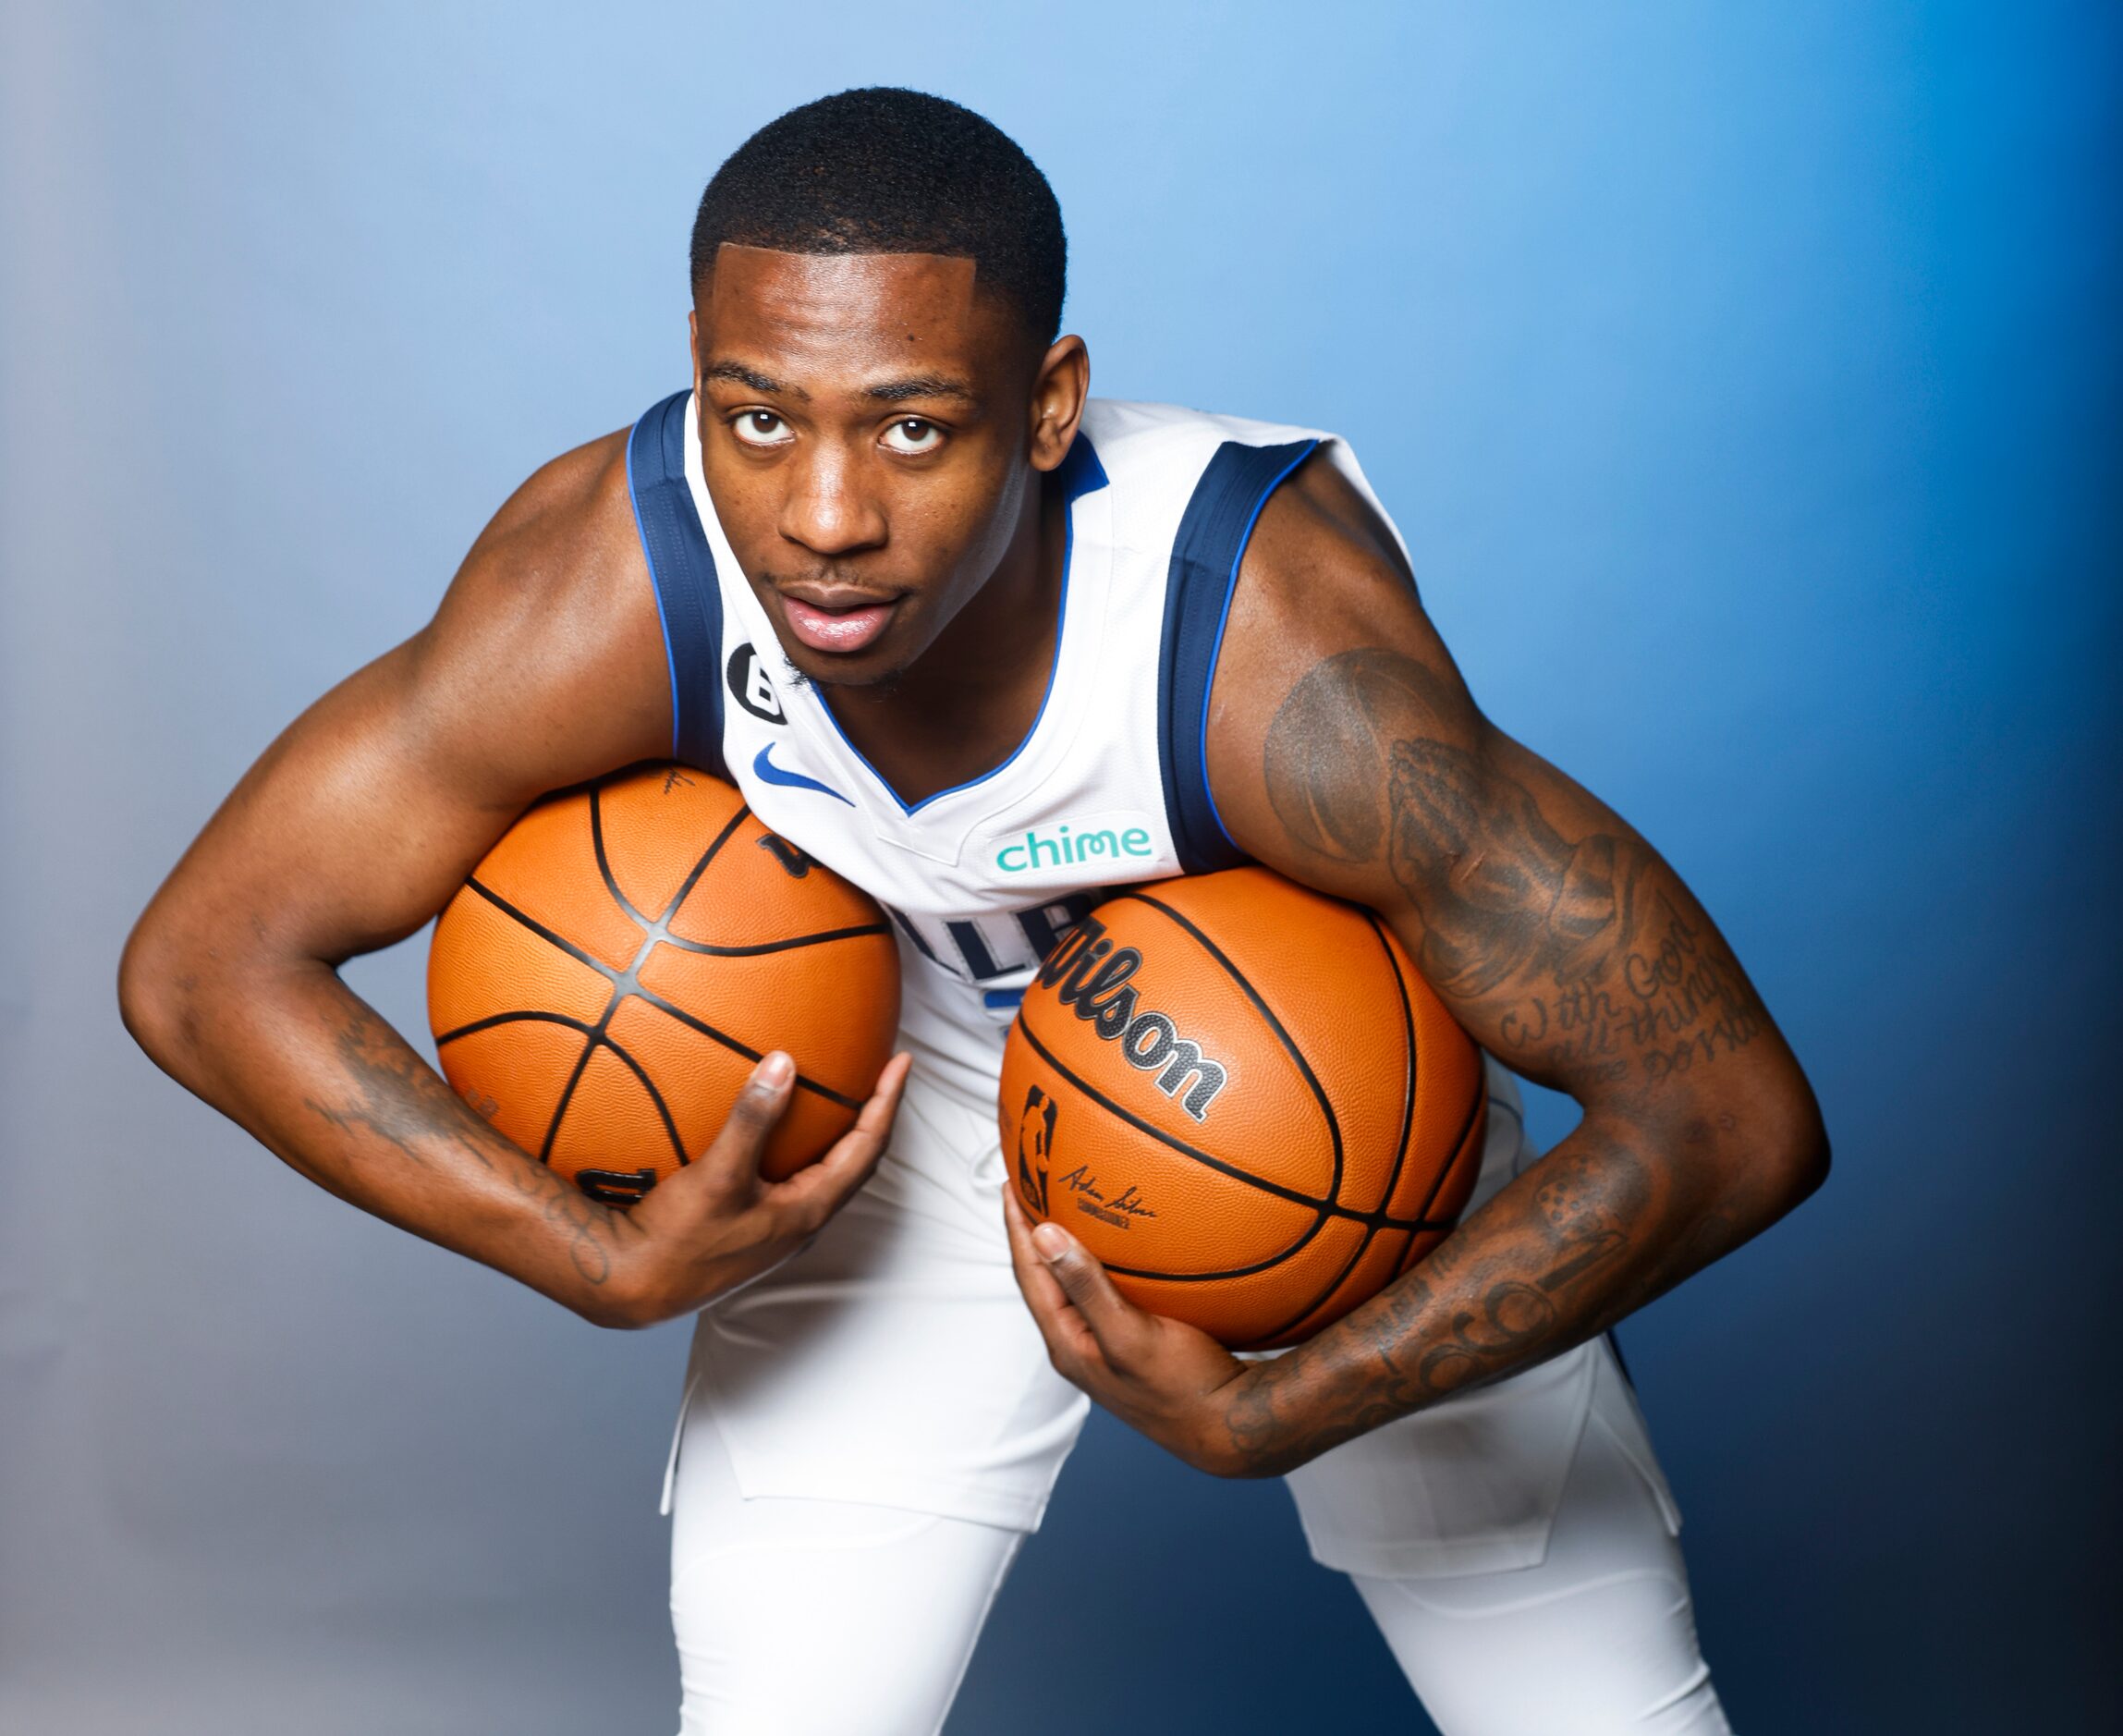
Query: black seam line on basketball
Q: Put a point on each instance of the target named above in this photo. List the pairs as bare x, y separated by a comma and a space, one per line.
619, 981
596, 1040
520, 1017
700, 867
1371, 1233
655, 1096
734, 1048
1408, 1076
543, 932
1464, 1148
1399, 1152
1211, 1277
1475, 1110
596, 1037
603, 862
1275, 1024
528, 1015
764, 947
1326, 1208
567, 1092
1474, 1107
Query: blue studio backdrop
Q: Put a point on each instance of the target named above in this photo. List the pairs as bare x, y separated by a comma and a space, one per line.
1745, 378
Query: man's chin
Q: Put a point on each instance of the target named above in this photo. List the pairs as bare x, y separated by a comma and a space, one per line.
876, 667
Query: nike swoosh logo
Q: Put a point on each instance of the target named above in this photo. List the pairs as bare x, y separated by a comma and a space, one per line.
769, 773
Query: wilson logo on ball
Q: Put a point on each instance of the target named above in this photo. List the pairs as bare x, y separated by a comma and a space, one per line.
1090, 977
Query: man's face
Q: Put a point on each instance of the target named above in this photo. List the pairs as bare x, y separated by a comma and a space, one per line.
869, 427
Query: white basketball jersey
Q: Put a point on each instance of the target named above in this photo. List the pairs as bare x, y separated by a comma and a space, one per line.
1107, 789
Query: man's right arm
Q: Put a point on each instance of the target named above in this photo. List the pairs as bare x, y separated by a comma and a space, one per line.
543, 667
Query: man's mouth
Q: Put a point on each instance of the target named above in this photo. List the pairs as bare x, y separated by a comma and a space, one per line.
837, 629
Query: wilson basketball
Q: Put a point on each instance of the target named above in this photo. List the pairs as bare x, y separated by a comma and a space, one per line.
602, 985
1242, 1096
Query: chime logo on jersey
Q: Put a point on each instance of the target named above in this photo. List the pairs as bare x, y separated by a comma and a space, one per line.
1118, 837
1090, 977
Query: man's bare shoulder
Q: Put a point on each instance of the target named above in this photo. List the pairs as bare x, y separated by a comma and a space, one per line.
550, 627
1324, 574
1326, 637
566, 538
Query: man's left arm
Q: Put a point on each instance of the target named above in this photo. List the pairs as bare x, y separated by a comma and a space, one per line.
1346, 753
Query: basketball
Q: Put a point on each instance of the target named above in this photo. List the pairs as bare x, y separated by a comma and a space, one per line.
602, 986
1243, 1099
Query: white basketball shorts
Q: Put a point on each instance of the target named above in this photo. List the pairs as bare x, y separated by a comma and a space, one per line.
883, 1402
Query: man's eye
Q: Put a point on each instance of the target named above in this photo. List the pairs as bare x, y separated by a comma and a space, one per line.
760, 428
911, 434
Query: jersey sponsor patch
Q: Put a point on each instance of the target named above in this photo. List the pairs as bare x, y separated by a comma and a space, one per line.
1063, 848
753, 687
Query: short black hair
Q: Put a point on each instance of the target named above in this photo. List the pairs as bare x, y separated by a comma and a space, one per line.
891, 171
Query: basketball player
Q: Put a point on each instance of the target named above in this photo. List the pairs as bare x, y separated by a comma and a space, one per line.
887, 566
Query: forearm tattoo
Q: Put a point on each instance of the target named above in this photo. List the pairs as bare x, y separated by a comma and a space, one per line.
1539, 1276
388, 1094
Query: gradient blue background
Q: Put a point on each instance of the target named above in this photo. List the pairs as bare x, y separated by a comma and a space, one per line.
1745, 378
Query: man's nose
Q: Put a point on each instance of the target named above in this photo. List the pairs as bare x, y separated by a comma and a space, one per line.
827, 509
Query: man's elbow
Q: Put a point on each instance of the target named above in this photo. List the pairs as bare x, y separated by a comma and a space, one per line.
158, 992
1790, 1157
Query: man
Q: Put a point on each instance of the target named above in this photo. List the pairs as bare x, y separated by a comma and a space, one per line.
887, 567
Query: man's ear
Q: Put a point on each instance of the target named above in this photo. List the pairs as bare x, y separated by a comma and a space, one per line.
1058, 395
693, 343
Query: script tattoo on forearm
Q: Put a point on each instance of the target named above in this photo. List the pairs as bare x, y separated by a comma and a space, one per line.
1574, 949
393, 1097
1472, 1312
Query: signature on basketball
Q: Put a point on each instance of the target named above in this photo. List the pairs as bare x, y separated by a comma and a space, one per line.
1119, 1210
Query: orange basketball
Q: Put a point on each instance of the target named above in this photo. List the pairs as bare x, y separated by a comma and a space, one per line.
1243, 1099
602, 985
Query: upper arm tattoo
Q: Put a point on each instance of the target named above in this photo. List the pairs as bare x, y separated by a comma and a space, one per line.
1578, 955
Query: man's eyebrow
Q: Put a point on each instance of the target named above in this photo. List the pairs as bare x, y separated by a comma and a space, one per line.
922, 385
737, 374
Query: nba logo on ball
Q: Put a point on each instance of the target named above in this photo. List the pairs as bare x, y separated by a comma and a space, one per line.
1245, 1101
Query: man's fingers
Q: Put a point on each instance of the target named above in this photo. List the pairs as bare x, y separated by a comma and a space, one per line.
875, 1120
821, 1187
735, 1155
1071, 1341
1115, 1322
1041, 1288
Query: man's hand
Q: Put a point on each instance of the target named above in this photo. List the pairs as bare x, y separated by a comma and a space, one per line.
1172, 1382
717, 1224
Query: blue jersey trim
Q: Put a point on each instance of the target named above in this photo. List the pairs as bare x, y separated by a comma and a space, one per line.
1079, 474
682, 567
655, 584
1206, 554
